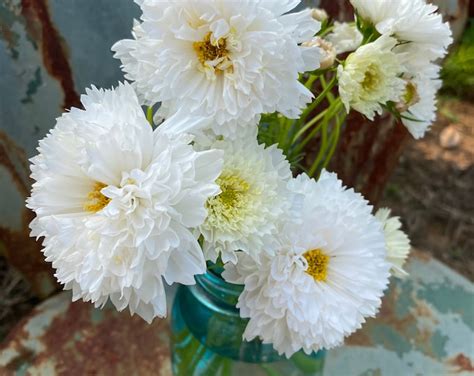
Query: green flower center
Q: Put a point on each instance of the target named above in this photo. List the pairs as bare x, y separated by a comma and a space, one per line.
227, 206
371, 78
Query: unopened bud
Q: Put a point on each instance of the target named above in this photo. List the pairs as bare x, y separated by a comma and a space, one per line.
319, 14
328, 51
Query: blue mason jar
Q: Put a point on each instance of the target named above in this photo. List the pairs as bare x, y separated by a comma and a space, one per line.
206, 336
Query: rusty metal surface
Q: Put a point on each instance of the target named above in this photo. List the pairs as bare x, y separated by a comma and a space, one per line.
425, 327
64, 338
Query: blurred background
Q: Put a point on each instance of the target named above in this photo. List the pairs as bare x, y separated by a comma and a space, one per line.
51, 50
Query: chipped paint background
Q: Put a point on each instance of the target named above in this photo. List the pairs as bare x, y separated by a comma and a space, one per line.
49, 52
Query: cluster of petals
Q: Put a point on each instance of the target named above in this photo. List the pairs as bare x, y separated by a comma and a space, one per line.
286, 305
116, 203
422, 39
232, 60
245, 216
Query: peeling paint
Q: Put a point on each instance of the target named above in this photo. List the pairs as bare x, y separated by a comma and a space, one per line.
421, 339
54, 54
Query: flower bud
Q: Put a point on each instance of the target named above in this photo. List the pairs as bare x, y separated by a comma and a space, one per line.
328, 51
319, 14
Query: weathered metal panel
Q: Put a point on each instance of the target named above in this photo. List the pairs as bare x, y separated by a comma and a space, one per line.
425, 327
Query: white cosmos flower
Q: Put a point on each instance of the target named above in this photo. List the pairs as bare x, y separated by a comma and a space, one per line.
327, 277
253, 199
116, 201
370, 78
412, 21
231, 60
418, 102
345, 37
397, 242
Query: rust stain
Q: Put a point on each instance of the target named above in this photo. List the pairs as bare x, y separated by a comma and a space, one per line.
359, 338
23, 252
77, 343
9, 153
462, 363
41, 29
385, 161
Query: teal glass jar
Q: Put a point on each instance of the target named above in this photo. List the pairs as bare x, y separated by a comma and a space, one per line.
206, 336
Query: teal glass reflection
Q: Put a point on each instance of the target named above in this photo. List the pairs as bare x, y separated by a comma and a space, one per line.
207, 336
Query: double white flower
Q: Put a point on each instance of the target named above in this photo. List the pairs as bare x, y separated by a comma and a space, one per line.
231, 60
116, 202
328, 275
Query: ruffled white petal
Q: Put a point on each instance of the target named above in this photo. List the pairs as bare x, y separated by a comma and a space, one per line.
254, 198
148, 189
288, 307
257, 73
397, 242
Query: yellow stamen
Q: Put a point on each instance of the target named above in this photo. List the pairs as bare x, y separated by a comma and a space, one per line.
317, 264
96, 201
208, 50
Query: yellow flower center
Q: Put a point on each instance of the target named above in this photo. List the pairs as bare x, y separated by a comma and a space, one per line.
371, 78
228, 204
214, 51
96, 201
317, 264
411, 96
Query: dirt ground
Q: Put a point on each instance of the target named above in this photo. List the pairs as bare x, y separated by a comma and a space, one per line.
432, 188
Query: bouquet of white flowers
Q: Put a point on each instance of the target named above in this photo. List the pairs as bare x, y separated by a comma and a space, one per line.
212, 172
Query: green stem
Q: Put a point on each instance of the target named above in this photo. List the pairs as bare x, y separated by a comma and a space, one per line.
149, 115
309, 124
318, 99
334, 108
334, 139
310, 81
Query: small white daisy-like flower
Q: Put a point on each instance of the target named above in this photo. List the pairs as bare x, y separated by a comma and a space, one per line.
418, 102
116, 203
253, 199
414, 23
397, 242
345, 37
370, 77
231, 60
327, 277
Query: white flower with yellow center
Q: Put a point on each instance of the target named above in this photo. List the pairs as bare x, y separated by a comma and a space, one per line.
345, 37
231, 60
253, 199
418, 102
414, 23
370, 77
397, 242
116, 203
327, 277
